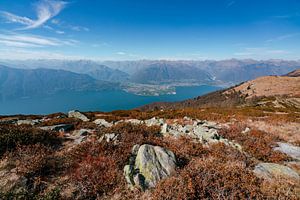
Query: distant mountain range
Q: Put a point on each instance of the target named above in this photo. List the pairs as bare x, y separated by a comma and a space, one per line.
18, 83
28, 77
224, 72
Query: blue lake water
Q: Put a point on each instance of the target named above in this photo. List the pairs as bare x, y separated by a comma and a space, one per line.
95, 101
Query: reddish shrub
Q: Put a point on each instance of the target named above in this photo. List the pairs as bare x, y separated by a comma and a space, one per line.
210, 178
96, 176
30, 159
257, 143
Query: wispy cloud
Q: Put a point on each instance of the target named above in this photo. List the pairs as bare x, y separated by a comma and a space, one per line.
12, 18
261, 52
121, 53
79, 28
22, 40
63, 24
45, 10
60, 32
24, 54
283, 37
230, 3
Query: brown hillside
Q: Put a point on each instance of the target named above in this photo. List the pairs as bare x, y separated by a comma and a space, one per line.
295, 73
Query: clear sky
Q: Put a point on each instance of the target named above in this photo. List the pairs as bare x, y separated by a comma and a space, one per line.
150, 29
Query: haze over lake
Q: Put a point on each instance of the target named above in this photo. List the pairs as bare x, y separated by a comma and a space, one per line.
94, 101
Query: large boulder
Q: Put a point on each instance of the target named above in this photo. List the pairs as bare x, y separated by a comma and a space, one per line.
271, 170
148, 165
78, 115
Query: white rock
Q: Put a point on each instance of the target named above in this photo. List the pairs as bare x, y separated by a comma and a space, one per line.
103, 122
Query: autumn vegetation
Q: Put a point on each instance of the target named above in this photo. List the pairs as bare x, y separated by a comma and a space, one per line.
94, 170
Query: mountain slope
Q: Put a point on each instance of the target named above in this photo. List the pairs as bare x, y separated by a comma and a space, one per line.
16, 83
163, 72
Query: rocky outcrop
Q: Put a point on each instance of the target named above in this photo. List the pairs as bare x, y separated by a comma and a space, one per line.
271, 170
78, 115
202, 131
148, 165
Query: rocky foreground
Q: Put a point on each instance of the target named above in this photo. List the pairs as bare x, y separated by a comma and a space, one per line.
154, 155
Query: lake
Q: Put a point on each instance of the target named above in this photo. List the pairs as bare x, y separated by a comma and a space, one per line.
95, 101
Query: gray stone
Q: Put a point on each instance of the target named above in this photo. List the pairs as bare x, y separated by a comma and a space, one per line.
154, 122
78, 115
247, 130
134, 121
110, 137
103, 122
289, 149
152, 163
272, 170
80, 136
28, 122
60, 127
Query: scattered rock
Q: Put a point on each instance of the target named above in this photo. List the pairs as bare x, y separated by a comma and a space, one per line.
148, 165
134, 121
272, 170
247, 130
80, 135
60, 127
28, 122
289, 149
110, 137
103, 122
78, 115
155, 122
201, 131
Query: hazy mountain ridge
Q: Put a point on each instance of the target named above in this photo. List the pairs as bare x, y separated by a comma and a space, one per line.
223, 72
17, 83
94, 69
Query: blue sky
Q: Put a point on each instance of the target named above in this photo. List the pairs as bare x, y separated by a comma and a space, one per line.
150, 29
